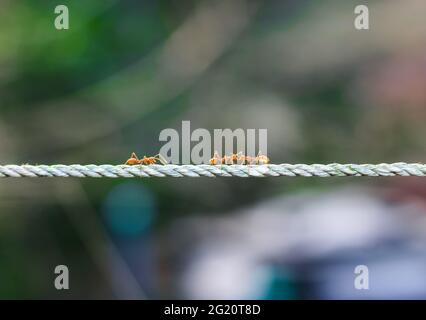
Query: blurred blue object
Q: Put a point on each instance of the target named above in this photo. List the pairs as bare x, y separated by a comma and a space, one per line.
129, 209
282, 284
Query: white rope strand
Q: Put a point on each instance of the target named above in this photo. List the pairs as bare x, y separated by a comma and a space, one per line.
242, 171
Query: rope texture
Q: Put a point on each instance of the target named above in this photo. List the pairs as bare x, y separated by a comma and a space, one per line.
170, 170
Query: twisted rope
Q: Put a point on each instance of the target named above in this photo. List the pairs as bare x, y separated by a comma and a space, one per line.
170, 170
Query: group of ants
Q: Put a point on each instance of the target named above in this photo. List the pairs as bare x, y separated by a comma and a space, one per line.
235, 158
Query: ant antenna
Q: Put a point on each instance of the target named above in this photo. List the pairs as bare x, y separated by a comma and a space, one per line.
161, 159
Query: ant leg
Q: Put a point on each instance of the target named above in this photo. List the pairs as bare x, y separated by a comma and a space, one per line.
250, 162
163, 160
221, 160
221, 165
217, 156
160, 158
225, 159
257, 159
239, 155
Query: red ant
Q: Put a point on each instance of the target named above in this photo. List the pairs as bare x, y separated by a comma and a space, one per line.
239, 157
225, 160
261, 159
216, 159
133, 160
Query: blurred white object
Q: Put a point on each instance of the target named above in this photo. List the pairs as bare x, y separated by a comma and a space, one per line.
230, 252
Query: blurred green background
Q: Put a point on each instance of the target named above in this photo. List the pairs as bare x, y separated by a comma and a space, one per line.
125, 70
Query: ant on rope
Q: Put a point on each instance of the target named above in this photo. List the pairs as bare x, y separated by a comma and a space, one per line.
133, 160
239, 158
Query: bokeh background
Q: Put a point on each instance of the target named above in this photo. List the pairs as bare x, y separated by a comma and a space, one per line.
125, 70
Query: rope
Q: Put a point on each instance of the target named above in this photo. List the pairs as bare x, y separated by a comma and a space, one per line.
170, 170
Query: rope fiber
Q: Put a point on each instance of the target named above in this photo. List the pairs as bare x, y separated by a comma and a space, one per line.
204, 170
